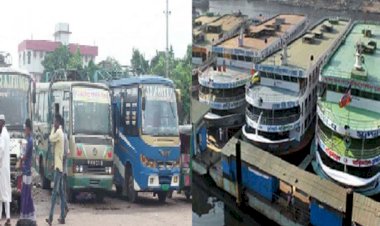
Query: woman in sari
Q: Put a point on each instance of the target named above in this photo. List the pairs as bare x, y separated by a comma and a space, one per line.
27, 206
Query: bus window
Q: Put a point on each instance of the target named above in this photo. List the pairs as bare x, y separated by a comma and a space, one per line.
130, 110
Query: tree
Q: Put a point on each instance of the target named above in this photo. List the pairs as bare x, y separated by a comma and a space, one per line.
138, 62
58, 59
75, 61
110, 64
90, 69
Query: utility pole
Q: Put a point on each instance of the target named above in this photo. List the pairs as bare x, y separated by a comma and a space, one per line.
167, 13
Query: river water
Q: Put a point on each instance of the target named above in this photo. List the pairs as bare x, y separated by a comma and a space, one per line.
208, 210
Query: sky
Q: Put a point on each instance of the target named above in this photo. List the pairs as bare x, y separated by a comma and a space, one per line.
115, 26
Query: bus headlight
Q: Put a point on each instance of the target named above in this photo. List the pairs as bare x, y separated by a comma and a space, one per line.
147, 162
78, 169
108, 170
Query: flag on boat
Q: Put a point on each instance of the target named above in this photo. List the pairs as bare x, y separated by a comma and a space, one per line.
346, 98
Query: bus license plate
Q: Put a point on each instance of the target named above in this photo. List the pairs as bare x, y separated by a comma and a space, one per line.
165, 187
95, 162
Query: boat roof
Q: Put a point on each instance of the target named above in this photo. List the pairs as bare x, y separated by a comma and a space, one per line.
300, 52
342, 61
291, 20
143, 79
68, 84
227, 23
365, 210
206, 19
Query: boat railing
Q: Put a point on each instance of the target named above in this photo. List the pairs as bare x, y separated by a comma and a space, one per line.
338, 146
342, 120
215, 98
284, 120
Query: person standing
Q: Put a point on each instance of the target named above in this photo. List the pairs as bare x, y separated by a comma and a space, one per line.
66, 152
27, 205
5, 172
57, 140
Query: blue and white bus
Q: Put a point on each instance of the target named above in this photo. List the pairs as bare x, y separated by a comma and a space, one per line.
147, 152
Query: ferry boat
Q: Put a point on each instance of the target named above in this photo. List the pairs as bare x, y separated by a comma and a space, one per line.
347, 140
209, 29
222, 85
259, 40
280, 112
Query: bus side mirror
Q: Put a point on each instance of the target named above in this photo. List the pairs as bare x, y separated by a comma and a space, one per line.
143, 104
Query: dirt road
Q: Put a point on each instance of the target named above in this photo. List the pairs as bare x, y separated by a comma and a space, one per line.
115, 210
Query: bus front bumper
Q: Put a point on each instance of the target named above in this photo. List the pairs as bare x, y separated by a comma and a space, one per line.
156, 182
90, 182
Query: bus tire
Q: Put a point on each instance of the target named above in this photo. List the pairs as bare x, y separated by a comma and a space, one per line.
45, 183
119, 189
162, 196
188, 194
132, 195
70, 194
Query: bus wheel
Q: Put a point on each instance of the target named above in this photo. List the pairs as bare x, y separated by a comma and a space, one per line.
45, 182
119, 189
129, 180
70, 195
162, 196
188, 194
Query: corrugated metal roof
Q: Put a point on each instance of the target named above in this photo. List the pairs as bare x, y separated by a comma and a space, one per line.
365, 210
198, 110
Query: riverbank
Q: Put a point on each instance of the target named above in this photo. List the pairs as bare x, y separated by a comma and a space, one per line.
362, 6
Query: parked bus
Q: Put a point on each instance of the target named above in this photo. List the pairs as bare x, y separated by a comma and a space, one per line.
147, 154
86, 111
16, 96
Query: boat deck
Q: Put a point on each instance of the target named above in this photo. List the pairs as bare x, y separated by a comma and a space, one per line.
356, 118
272, 94
300, 52
343, 60
231, 78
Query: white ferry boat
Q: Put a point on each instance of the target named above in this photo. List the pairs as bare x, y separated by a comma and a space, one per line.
281, 107
347, 141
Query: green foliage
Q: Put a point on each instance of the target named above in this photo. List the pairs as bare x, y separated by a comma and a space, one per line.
58, 59
90, 70
138, 62
75, 62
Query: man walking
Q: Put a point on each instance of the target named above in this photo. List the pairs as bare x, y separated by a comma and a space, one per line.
5, 172
57, 140
27, 213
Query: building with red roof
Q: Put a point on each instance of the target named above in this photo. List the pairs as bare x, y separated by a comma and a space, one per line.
32, 52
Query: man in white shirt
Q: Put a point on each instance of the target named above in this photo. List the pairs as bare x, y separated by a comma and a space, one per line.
5, 172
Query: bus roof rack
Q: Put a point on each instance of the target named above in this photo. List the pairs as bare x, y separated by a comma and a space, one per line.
64, 75
5, 59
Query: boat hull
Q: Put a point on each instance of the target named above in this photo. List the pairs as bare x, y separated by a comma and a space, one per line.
367, 191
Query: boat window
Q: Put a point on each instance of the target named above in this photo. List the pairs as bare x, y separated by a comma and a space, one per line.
277, 77
248, 59
294, 79
377, 96
241, 58
286, 78
233, 57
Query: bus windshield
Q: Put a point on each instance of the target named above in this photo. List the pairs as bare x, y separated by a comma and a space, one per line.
159, 115
91, 111
14, 98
